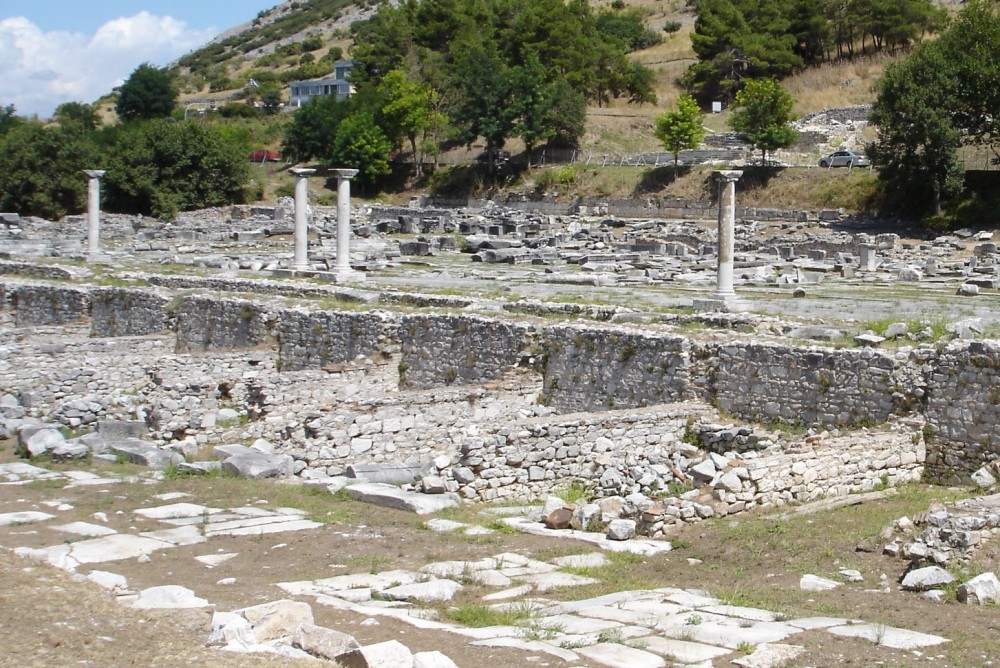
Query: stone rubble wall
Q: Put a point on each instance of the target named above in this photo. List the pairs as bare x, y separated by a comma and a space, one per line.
588, 368
963, 409
858, 462
527, 459
48, 305
442, 350
118, 312
39, 271
814, 385
312, 339
210, 323
59, 368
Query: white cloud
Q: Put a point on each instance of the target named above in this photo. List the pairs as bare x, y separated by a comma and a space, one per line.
41, 70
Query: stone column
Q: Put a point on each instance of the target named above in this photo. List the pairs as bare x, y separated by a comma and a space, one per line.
94, 210
301, 261
727, 231
343, 267
868, 257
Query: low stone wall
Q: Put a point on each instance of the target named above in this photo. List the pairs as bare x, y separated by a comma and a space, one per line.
41, 271
963, 409
588, 368
48, 305
834, 387
127, 312
312, 339
440, 350
805, 472
208, 323
582, 367
527, 459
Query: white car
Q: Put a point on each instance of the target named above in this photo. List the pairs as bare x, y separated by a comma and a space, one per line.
845, 159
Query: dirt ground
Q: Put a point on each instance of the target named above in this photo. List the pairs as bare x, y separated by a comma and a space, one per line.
753, 560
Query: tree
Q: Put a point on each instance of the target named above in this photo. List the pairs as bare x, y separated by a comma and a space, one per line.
270, 98
313, 128
916, 144
681, 128
762, 112
40, 169
407, 110
147, 93
77, 113
485, 108
361, 144
160, 167
9, 119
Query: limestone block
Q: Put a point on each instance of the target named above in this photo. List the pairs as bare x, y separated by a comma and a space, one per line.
323, 642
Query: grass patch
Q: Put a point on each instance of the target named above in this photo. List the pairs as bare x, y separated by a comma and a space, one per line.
623, 571
477, 615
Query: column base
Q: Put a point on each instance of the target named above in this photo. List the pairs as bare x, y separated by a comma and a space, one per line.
348, 276
721, 304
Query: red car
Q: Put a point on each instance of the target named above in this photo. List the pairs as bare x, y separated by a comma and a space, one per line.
263, 155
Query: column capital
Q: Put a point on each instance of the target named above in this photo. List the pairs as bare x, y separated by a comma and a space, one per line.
728, 175
302, 172
94, 173
345, 173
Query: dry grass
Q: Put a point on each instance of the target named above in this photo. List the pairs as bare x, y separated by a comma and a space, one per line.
838, 84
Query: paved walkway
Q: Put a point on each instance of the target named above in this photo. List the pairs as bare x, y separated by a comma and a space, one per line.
670, 626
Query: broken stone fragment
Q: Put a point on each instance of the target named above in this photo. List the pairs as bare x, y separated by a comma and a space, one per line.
983, 589
559, 518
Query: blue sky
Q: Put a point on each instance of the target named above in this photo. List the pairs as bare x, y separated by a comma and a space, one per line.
55, 51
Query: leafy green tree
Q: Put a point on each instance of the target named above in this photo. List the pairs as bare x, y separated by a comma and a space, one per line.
916, 144
485, 108
407, 109
147, 93
9, 119
313, 128
40, 169
944, 93
360, 144
762, 112
160, 167
270, 98
681, 128
77, 113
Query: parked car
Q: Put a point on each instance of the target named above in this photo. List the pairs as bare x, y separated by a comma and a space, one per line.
845, 159
263, 155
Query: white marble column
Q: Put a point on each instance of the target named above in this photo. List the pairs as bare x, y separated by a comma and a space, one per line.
727, 232
301, 260
94, 210
343, 267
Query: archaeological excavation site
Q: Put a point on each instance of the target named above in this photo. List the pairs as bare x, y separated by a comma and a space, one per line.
613, 433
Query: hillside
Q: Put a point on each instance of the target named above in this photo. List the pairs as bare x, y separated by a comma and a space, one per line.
299, 40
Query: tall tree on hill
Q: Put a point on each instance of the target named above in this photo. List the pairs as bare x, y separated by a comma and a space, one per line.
763, 110
147, 93
681, 128
947, 91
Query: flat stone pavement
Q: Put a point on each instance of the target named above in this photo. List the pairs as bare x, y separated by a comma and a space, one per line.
660, 627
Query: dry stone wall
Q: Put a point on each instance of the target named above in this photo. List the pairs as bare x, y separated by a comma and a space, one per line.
127, 312
311, 339
583, 367
440, 350
835, 387
209, 323
49, 305
588, 368
963, 409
